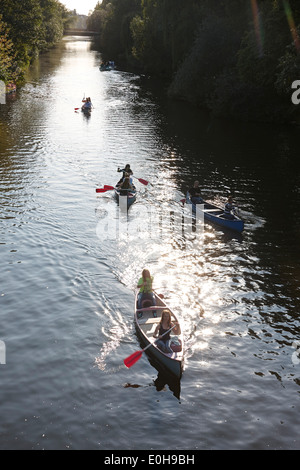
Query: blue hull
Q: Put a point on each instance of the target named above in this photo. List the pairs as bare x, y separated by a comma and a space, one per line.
215, 215
131, 197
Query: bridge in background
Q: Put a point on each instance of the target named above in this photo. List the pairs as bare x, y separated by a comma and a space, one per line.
80, 32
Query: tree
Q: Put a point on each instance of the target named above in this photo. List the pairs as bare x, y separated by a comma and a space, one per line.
7, 54
25, 22
112, 20
232, 56
54, 16
32, 26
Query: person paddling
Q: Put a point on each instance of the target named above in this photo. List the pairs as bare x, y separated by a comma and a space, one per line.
195, 194
127, 170
87, 104
229, 209
164, 342
125, 186
146, 290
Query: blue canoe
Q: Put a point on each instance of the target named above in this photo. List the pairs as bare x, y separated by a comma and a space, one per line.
107, 67
215, 215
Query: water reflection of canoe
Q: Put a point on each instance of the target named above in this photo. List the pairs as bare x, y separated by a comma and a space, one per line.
131, 196
145, 327
164, 378
215, 214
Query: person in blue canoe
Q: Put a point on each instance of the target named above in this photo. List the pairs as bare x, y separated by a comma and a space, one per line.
229, 209
126, 171
195, 194
163, 334
125, 186
87, 106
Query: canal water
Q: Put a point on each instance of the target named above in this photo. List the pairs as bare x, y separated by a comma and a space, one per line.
71, 259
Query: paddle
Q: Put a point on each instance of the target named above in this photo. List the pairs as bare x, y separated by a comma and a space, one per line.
141, 180
104, 189
133, 358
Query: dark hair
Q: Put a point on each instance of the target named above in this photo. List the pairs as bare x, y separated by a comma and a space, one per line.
126, 182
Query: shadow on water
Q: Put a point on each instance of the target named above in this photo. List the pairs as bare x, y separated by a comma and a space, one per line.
165, 378
162, 380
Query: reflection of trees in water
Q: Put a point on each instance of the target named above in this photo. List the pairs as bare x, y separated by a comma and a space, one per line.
5, 137
47, 62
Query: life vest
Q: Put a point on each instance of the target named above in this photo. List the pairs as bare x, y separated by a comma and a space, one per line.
146, 289
228, 207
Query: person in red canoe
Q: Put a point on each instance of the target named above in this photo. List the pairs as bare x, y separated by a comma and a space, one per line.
146, 290
164, 342
87, 104
127, 170
125, 186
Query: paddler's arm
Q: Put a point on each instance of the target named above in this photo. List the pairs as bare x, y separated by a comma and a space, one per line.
177, 329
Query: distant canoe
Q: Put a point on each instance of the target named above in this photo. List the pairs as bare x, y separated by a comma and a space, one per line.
107, 67
216, 215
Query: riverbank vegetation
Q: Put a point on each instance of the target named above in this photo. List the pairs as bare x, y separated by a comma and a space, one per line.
28, 27
235, 57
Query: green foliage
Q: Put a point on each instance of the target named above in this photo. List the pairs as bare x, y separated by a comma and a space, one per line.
33, 26
54, 17
163, 33
235, 57
112, 19
7, 54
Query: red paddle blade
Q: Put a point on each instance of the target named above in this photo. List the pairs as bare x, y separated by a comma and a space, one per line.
131, 360
103, 190
145, 182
